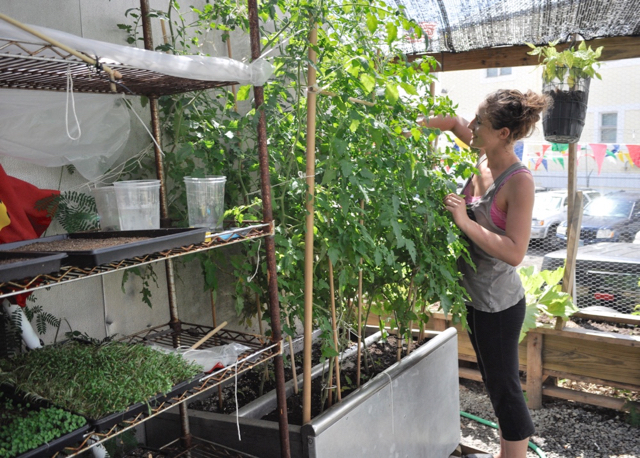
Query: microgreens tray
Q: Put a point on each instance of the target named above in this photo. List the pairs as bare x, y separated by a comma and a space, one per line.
16, 266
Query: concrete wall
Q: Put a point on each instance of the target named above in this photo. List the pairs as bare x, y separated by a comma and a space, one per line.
104, 305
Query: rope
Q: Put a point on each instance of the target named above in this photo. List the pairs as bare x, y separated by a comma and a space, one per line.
73, 106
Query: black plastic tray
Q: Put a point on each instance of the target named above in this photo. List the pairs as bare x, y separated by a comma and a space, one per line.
55, 445
28, 264
156, 240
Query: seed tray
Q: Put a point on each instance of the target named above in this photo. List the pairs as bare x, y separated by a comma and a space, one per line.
51, 448
144, 242
16, 266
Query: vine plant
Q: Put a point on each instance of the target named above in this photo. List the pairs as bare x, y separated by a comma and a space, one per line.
379, 183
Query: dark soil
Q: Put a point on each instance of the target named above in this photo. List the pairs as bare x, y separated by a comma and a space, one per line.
379, 356
77, 244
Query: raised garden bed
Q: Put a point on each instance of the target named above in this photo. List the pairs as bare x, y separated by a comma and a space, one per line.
380, 417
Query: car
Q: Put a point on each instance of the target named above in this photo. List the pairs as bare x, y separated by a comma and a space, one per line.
549, 210
614, 217
607, 274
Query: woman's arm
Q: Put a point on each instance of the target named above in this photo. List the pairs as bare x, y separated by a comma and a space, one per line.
511, 247
455, 124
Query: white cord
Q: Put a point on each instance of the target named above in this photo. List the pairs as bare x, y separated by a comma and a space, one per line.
73, 106
236, 397
143, 124
257, 264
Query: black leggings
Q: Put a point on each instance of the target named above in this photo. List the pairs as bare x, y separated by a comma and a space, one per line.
494, 337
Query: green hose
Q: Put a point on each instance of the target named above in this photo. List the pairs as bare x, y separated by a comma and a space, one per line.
532, 446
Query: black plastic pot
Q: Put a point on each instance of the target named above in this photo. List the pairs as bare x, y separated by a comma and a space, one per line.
564, 122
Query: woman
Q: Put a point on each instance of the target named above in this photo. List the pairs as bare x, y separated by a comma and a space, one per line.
494, 212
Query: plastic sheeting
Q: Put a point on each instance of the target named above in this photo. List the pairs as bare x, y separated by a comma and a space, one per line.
464, 25
193, 67
33, 128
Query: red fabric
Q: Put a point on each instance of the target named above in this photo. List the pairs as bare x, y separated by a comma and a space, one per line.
19, 220
634, 153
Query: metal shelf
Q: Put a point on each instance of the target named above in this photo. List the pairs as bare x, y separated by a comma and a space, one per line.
171, 335
198, 448
248, 231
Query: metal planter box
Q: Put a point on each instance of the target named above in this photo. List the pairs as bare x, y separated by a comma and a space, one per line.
411, 409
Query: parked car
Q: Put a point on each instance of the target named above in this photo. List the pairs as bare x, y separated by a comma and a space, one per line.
613, 217
607, 274
549, 210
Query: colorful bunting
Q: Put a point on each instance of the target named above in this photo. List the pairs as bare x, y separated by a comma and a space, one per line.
599, 152
634, 154
518, 149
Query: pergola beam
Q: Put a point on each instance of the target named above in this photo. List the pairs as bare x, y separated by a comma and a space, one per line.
615, 48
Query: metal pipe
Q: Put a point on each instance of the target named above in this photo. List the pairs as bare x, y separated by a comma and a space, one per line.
267, 214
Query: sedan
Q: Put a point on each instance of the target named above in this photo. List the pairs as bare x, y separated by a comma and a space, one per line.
611, 218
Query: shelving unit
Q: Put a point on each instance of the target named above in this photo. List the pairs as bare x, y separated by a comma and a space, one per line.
24, 65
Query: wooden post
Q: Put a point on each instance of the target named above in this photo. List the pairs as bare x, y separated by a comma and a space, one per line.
308, 240
573, 230
334, 326
534, 370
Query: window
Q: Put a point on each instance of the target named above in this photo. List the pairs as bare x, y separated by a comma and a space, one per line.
609, 127
493, 72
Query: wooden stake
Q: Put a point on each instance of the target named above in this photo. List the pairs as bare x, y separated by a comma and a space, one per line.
308, 251
208, 335
359, 357
215, 323
292, 355
334, 327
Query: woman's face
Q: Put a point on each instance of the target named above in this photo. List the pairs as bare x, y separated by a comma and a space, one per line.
484, 135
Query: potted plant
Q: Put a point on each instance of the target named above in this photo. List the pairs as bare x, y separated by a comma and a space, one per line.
566, 77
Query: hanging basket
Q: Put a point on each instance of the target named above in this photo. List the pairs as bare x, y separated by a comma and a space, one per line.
563, 123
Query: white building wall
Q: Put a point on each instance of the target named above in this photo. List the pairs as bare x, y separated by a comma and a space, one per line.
618, 91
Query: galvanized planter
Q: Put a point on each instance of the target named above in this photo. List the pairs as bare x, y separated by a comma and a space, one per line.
409, 410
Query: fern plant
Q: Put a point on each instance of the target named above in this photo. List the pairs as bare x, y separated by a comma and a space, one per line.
75, 211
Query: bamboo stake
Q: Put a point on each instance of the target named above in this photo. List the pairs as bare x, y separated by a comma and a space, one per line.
265, 374
215, 323
208, 335
334, 327
359, 357
292, 353
308, 252
113, 74
233, 86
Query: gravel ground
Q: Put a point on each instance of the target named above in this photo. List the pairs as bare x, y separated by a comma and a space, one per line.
563, 429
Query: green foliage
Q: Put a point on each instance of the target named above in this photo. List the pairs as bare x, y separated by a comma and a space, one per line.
401, 238
544, 296
147, 274
570, 65
75, 211
24, 427
96, 380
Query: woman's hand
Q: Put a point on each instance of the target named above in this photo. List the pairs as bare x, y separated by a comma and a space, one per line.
458, 208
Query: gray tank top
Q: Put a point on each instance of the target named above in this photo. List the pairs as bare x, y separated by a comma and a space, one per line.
493, 285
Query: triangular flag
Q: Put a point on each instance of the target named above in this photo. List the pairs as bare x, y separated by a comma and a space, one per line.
634, 153
559, 160
599, 152
545, 148
559, 146
518, 149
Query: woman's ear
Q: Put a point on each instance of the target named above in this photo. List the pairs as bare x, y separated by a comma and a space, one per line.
504, 133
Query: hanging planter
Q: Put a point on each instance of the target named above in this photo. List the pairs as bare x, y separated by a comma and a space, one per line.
566, 78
